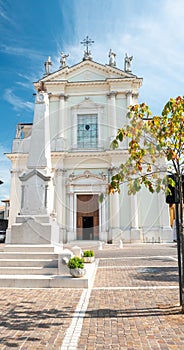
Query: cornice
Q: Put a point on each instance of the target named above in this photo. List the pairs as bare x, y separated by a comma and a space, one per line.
94, 82
100, 154
66, 71
14, 156
87, 174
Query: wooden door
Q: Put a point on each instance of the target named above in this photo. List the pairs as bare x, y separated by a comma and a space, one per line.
87, 217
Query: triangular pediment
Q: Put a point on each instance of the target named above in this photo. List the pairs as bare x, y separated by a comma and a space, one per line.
87, 103
87, 71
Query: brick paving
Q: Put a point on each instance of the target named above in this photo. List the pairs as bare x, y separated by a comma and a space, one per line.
32, 319
133, 305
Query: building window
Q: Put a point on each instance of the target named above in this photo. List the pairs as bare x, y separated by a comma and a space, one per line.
87, 131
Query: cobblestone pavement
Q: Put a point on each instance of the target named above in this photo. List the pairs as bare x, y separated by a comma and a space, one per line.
35, 318
132, 305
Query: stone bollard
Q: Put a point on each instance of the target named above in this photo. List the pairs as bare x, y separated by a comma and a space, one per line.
120, 245
77, 251
63, 259
100, 246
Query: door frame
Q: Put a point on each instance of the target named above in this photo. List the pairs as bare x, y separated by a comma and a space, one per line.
80, 215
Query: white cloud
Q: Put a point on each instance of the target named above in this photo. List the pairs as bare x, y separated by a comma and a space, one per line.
17, 103
21, 51
4, 14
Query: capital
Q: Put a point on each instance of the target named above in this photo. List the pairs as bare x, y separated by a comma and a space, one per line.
63, 97
60, 172
112, 94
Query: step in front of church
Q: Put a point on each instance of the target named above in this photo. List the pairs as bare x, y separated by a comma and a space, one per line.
36, 266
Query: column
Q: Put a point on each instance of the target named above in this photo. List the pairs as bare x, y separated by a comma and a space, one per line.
103, 220
71, 234
61, 122
135, 234
114, 217
129, 98
61, 114
15, 195
60, 202
112, 119
129, 102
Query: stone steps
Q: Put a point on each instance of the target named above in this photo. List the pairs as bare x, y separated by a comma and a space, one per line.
25, 270
36, 266
42, 281
28, 255
29, 263
29, 248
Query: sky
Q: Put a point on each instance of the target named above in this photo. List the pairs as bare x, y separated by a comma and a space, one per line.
31, 30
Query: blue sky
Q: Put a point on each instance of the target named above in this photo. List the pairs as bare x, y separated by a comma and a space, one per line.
150, 30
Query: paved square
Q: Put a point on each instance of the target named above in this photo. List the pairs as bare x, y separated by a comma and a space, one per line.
133, 305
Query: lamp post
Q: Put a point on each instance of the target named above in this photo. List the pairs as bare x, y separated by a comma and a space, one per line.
176, 197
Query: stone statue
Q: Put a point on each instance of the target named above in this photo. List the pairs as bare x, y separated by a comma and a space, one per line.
112, 58
87, 55
127, 63
19, 129
63, 59
47, 65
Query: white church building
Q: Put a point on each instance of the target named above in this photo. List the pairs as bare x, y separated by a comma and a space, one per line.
62, 162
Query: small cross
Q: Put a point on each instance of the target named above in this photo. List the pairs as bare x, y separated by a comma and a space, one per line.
87, 42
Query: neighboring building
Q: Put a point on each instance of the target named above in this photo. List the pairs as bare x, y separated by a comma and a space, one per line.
63, 162
4, 209
4, 214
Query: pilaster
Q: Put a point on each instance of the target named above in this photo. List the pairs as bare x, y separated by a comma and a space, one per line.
60, 202
135, 234
112, 118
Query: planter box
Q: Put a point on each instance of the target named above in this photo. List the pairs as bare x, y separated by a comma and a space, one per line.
77, 273
89, 259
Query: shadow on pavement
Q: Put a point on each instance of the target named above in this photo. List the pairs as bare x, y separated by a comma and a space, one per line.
161, 274
135, 312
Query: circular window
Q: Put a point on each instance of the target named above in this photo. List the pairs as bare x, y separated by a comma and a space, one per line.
87, 127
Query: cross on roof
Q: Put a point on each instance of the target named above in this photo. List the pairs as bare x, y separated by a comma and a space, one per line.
87, 42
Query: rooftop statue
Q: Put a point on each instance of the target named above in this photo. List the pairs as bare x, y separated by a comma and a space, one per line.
19, 130
63, 60
128, 63
112, 58
87, 55
47, 65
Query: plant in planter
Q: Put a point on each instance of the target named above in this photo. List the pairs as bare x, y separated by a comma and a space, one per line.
76, 266
88, 256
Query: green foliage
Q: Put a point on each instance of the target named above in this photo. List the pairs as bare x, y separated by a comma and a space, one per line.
88, 253
76, 263
155, 147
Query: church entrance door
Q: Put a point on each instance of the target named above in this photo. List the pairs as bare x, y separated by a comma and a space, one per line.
87, 217
87, 222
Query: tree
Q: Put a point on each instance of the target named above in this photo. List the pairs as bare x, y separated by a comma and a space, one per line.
155, 150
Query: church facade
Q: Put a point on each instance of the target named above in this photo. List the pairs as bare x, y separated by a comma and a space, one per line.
62, 162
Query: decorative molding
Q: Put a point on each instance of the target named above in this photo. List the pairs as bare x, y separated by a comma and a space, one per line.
88, 63
87, 174
112, 94
60, 171
135, 94
94, 154
63, 96
15, 156
18, 172
128, 92
26, 176
88, 104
